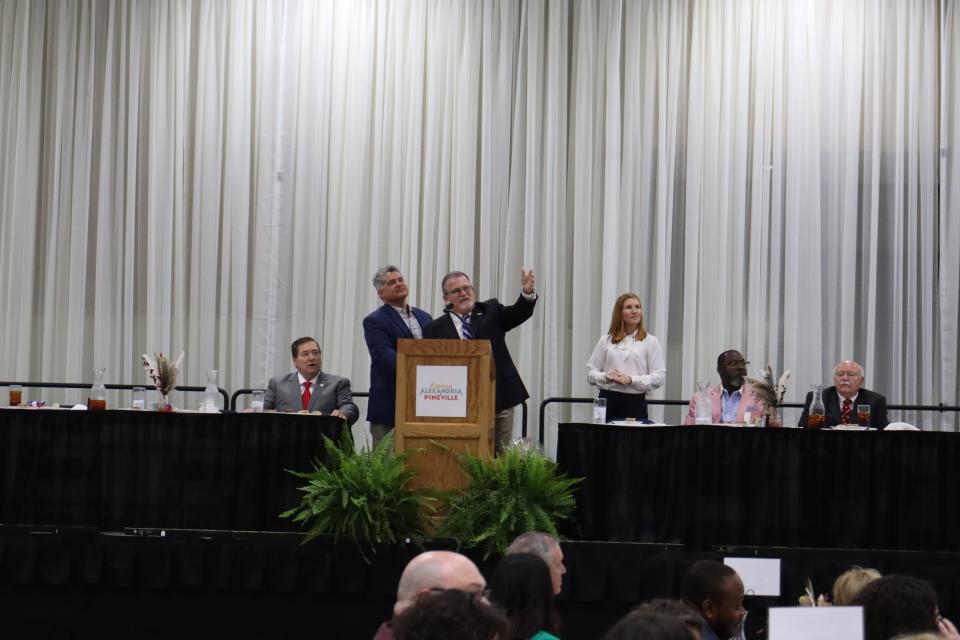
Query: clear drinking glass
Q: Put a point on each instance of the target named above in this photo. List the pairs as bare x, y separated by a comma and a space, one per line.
600, 411
16, 395
256, 401
863, 415
139, 399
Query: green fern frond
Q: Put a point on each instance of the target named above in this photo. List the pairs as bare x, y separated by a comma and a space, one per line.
519, 491
365, 495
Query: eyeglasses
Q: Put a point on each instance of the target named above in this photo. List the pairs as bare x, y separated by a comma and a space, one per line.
467, 288
483, 594
847, 374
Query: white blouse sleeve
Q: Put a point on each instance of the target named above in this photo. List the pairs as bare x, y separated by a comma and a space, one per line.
656, 368
596, 374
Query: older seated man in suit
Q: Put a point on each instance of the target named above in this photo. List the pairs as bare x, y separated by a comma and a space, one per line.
310, 389
730, 399
840, 401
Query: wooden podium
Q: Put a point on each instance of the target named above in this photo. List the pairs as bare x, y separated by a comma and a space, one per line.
469, 428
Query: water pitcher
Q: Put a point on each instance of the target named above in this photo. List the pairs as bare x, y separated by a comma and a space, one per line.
98, 392
817, 414
703, 412
211, 394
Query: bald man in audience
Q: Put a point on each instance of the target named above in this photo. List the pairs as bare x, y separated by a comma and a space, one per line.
432, 572
840, 401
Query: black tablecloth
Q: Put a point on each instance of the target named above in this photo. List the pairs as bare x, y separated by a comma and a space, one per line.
770, 487
118, 469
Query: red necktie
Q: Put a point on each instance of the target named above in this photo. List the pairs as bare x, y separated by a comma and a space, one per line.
845, 411
306, 395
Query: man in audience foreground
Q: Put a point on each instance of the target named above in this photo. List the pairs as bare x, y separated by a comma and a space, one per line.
715, 591
429, 573
547, 548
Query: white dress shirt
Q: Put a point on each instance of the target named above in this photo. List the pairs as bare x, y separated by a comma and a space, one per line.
642, 360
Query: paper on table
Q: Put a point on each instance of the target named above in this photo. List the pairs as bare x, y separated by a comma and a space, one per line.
822, 623
761, 576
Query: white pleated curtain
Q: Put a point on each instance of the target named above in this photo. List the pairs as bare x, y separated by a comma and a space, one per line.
774, 176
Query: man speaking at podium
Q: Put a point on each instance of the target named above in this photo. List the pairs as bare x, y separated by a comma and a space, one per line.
466, 319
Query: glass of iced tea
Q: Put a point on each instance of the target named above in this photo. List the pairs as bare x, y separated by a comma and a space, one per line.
16, 395
863, 415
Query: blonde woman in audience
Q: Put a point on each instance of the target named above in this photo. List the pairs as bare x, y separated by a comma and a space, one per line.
849, 583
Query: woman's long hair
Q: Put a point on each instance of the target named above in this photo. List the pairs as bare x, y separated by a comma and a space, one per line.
617, 331
521, 585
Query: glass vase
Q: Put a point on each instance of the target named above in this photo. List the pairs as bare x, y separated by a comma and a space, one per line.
704, 413
211, 394
774, 418
98, 391
816, 417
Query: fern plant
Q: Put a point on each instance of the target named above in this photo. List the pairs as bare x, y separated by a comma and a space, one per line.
365, 495
518, 492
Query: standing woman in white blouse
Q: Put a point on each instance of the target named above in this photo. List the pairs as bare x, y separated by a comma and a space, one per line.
627, 362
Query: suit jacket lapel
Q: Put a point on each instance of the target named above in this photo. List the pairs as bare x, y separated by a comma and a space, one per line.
449, 330
295, 391
716, 404
398, 321
318, 388
832, 401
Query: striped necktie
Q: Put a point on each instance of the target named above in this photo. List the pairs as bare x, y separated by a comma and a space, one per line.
465, 329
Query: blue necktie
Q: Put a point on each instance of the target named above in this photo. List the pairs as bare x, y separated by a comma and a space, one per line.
465, 327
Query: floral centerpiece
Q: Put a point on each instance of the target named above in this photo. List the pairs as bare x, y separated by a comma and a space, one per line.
163, 372
809, 599
770, 395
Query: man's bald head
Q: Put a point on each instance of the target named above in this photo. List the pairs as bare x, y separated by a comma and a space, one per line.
436, 571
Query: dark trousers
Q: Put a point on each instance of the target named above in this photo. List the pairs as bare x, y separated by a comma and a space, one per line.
624, 405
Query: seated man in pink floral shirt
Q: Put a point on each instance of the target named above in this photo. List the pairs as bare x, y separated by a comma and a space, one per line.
730, 399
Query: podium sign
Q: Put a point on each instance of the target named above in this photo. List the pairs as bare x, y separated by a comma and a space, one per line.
445, 394
441, 391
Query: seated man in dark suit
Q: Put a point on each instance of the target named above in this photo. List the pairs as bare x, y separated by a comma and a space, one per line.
840, 401
310, 389
467, 319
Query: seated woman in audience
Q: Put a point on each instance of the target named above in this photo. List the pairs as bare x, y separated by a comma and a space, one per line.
627, 362
451, 614
851, 582
521, 585
642, 625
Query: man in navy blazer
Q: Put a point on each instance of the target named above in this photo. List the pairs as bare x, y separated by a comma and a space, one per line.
468, 319
310, 389
381, 330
